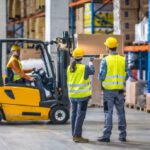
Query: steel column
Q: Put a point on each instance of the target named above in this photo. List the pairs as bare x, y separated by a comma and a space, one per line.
149, 51
72, 20
92, 17
140, 65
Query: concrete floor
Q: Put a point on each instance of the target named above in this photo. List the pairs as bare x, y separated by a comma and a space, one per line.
45, 136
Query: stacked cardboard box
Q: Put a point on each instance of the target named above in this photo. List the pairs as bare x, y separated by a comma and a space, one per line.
40, 28
79, 20
30, 53
26, 32
16, 9
31, 7
125, 18
100, 26
131, 93
10, 3
32, 28
40, 4
23, 6
148, 101
143, 9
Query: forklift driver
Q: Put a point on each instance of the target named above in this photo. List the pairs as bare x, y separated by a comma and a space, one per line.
15, 65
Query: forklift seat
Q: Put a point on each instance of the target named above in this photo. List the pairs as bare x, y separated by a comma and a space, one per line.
9, 76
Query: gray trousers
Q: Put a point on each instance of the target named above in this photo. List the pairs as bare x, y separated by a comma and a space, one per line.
111, 98
78, 113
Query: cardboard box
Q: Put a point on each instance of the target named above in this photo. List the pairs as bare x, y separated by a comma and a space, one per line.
128, 25
131, 92
129, 4
96, 84
30, 54
148, 101
79, 20
128, 14
94, 44
129, 37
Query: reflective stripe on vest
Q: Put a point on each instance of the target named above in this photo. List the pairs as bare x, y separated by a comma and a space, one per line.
115, 76
16, 76
78, 87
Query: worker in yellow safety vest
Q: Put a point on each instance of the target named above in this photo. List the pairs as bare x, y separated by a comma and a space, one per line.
79, 92
15, 65
113, 74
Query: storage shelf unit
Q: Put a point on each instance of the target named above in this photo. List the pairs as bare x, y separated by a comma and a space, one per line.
93, 13
21, 24
140, 50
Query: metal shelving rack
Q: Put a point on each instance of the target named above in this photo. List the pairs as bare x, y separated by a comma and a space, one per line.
21, 23
93, 13
143, 49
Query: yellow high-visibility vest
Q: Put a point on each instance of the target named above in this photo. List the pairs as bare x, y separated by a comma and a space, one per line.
16, 76
115, 76
78, 87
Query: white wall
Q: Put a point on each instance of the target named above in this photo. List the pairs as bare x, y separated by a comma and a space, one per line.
57, 19
3, 30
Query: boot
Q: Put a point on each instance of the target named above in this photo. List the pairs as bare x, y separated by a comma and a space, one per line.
80, 139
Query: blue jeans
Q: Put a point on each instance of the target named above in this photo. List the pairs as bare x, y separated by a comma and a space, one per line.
111, 98
78, 113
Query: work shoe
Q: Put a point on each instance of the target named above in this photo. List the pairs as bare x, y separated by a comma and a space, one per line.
80, 139
122, 139
103, 139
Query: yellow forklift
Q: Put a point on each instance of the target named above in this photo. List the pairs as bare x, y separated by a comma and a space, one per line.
20, 102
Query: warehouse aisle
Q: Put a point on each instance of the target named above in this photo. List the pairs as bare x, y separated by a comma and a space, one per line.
45, 136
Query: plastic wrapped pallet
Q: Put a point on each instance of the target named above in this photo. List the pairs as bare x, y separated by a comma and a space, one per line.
141, 94
141, 31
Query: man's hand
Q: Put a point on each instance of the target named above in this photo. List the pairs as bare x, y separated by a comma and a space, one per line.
32, 79
90, 63
33, 69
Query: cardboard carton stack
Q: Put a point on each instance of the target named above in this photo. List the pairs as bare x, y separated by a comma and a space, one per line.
143, 9
16, 9
100, 26
79, 20
125, 18
40, 28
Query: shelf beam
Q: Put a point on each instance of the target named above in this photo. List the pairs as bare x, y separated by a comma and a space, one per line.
25, 19
136, 48
74, 4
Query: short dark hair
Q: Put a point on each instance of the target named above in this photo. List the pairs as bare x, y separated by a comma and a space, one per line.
113, 49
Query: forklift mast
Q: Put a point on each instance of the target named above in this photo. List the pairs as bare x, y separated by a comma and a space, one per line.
63, 60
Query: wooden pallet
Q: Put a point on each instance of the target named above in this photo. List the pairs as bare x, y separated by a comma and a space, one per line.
132, 106
147, 110
140, 108
95, 105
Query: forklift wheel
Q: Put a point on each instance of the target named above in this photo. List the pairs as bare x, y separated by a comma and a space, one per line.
59, 115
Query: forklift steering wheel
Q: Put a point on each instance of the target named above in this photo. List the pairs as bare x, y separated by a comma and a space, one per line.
37, 71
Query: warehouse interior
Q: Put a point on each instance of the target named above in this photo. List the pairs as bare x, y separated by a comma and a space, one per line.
61, 26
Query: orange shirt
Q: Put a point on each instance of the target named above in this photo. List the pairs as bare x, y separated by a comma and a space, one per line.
14, 65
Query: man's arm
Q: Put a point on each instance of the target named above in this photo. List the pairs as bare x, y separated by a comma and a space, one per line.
14, 65
103, 70
89, 70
